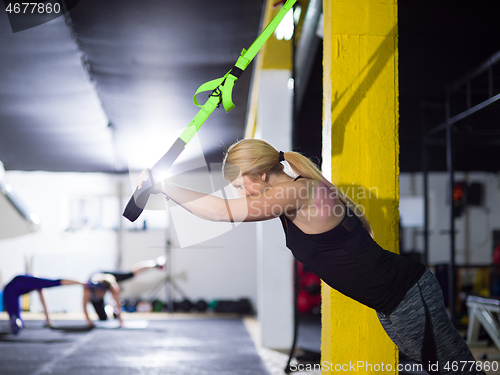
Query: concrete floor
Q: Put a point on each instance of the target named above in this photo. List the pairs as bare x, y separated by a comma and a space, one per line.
191, 344
492, 358
273, 362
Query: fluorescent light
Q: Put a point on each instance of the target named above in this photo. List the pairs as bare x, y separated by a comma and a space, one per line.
285, 28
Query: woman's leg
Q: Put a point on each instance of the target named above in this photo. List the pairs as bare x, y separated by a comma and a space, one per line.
446, 346
138, 268
99, 309
25, 283
149, 264
393, 335
20, 285
11, 305
120, 276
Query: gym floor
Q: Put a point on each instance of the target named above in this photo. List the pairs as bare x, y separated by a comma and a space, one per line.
194, 344
168, 345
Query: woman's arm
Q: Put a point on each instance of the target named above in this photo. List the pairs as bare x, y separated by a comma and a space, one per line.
115, 292
70, 282
285, 198
42, 295
86, 299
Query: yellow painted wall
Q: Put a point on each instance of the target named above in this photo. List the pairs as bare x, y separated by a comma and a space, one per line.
361, 136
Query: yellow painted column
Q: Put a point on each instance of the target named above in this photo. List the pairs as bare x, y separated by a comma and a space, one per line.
360, 137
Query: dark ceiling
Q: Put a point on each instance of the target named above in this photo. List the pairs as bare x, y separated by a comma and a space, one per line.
98, 90
110, 86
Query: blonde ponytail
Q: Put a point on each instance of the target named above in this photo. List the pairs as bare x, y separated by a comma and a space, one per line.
304, 167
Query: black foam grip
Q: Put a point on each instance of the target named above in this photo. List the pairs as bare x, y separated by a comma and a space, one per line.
132, 211
138, 201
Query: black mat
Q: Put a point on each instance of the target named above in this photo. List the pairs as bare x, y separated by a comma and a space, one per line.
177, 347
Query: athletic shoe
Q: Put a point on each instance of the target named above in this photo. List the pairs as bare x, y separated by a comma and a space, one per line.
161, 262
16, 324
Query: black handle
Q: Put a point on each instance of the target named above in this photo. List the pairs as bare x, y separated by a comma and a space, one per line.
138, 201
136, 204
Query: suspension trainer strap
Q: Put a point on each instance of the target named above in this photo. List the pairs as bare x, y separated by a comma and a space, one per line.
221, 93
226, 83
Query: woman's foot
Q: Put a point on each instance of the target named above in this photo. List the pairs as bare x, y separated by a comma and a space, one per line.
16, 324
161, 262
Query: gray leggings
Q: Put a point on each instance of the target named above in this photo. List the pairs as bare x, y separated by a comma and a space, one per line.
409, 329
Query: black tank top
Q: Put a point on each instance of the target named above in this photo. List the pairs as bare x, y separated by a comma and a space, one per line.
350, 261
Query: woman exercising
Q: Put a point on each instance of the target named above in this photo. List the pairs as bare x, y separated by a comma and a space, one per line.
23, 284
94, 292
328, 233
102, 282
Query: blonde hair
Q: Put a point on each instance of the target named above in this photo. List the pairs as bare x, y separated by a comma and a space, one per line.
253, 157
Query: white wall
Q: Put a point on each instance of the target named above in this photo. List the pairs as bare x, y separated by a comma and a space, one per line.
275, 261
474, 240
222, 267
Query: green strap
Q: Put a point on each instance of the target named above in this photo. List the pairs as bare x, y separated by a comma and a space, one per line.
199, 119
223, 87
221, 94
